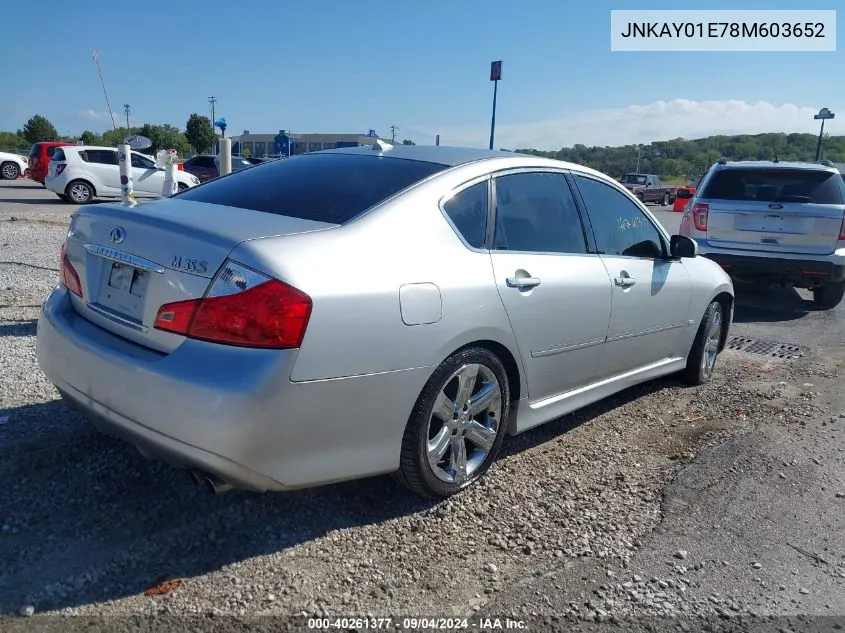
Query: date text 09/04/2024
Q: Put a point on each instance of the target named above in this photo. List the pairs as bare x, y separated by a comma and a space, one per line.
722, 29
417, 624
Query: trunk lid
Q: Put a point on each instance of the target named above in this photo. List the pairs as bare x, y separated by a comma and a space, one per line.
131, 261
777, 210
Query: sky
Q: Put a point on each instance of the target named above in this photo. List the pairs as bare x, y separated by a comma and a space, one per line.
338, 66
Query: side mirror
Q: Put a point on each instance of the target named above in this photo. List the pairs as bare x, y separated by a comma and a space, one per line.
682, 246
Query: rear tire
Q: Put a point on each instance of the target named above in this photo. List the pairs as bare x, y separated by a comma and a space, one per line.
705, 349
79, 192
641, 198
457, 425
667, 199
10, 171
829, 295
181, 187
62, 197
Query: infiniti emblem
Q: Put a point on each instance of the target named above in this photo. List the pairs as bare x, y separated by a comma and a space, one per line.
117, 234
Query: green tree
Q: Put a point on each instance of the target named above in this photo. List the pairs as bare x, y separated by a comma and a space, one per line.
38, 129
91, 138
246, 152
14, 141
408, 142
165, 137
200, 133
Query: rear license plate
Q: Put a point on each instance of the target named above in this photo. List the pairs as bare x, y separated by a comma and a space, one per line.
124, 290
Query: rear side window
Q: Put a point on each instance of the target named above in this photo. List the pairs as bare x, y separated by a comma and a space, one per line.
332, 188
100, 156
467, 210
59, 155
775, 185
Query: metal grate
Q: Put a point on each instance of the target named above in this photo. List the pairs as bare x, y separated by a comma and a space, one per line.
764, 348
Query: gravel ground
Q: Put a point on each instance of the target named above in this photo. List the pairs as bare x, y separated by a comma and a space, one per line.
87, 524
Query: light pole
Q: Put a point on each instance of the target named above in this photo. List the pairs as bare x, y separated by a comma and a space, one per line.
495, 76
639, 148
823, 115
126, 111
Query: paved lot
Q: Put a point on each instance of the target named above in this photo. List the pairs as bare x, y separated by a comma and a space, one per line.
718, 503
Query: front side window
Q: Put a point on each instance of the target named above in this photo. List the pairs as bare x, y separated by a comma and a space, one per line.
467, 210
536, 212
620, 226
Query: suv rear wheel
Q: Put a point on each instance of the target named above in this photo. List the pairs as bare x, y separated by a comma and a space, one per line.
830, 295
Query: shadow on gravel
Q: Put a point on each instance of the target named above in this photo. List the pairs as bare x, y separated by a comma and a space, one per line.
769, 304
19, 328
556, 428
85, 518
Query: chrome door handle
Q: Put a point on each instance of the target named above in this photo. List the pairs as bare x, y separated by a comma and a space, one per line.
522, 282
625, 282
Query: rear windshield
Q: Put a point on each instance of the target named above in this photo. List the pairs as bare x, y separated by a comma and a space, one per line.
775, 185
34, 150
332, 188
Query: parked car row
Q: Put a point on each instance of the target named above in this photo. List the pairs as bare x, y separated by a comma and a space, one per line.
207, 166
79, 173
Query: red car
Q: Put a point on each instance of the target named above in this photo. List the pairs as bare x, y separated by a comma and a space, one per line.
39, 159
682, 197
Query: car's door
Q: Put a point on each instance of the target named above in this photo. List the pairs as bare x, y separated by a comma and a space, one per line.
148, 180
651, 291
556, 293
102, 165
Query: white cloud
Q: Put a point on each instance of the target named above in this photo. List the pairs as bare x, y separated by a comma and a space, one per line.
103, 117
661, 120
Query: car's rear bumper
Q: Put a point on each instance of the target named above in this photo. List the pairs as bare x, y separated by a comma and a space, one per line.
801, 270
227, 411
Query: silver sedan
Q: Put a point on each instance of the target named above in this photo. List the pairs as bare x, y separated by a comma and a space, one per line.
371, 310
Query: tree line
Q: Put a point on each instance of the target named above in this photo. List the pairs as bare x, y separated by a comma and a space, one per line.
672, 159
691, 158
199, 135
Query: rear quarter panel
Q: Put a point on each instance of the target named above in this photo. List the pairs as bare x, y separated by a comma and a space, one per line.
354, 275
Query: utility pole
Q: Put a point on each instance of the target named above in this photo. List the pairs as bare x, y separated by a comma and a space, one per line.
392, 132
212, 100
126, 110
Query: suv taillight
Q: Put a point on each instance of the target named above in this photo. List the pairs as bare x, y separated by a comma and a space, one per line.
242, 307
69, 276
60, 167
699, 216
842, 230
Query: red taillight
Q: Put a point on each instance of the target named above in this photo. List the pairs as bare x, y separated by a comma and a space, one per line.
699, 216
842, 230
242, 308
60, 167
69, 276
180, 167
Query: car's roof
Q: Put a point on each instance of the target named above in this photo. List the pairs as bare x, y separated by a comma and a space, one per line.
106, 147
770, 164
442, 154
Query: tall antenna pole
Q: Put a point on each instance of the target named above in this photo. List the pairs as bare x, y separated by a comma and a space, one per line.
212, 100
96, 57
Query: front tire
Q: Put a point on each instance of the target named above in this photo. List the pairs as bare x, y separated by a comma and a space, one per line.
457, 425
705, 349
830, 295
79, 192
10, 171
